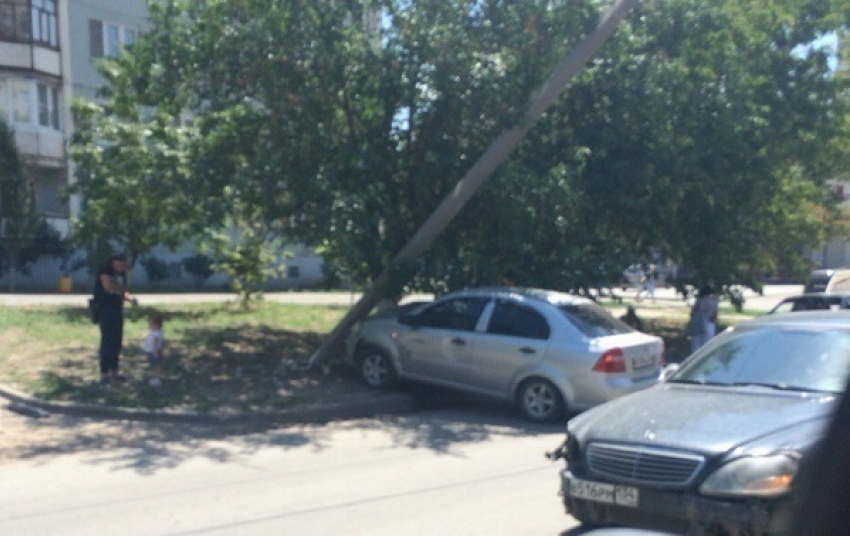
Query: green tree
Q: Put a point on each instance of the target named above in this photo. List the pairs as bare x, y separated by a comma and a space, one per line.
700, 131
19, 221
128, 171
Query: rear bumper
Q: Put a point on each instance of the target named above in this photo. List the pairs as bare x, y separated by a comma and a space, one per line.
604, 388
681, 510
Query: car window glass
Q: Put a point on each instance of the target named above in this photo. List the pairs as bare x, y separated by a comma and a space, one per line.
802, 305
517, 320
784, 357
592, 320
785, 307
458, 314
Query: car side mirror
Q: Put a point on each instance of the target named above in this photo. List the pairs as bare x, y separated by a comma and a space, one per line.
668, 371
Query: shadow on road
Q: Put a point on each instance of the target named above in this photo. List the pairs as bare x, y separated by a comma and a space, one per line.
449, 422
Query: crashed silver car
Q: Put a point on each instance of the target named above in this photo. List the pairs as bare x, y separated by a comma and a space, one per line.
550, 352
714, 448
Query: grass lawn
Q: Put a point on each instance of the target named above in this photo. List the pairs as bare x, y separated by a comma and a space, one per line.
218, 357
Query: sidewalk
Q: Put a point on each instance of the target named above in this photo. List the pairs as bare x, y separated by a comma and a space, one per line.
773, 294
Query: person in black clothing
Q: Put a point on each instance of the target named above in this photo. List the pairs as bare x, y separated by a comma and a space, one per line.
631, 318
110, 293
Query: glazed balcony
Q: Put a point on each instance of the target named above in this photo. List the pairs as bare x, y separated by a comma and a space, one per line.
29, 36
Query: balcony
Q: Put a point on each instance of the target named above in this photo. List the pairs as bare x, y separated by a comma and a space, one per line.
29, 36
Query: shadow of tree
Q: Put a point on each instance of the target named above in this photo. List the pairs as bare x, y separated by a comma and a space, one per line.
148, 447
207, 369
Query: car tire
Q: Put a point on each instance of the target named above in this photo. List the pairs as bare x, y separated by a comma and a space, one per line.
540, 401
376, 368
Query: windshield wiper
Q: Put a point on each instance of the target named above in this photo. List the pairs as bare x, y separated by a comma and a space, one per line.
780, 387
697, 382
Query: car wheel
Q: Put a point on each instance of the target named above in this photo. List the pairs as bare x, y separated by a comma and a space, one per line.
376, 368
540, 400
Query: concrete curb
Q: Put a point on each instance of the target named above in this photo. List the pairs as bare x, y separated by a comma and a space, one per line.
315, 413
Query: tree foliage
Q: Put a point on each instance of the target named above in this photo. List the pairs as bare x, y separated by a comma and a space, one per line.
701, 131
24, 236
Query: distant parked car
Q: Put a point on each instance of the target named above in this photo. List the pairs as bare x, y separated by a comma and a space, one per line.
716, 447
548, 351
812, 302
828, 280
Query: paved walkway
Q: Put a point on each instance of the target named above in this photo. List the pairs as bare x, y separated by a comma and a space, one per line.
317, 298
773, 294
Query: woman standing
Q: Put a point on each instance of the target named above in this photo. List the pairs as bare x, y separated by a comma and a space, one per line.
703, 322
110, 293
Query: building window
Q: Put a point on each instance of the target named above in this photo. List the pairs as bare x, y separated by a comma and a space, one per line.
48, 184
30, 102
29, 22
44, 22
15, 20
48, 106
19, 100
107, 39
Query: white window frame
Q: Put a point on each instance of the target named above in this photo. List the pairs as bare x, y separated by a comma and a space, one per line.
50, 106
43, 20
124, 36
53, 104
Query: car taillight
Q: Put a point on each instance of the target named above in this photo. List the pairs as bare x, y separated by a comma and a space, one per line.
610, 362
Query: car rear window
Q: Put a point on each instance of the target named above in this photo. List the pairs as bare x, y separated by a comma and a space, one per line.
592, 320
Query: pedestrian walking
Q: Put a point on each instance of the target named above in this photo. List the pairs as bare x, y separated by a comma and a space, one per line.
648, 284
702, 324
110, 293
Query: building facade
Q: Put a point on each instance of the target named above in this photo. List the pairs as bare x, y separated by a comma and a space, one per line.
49, 51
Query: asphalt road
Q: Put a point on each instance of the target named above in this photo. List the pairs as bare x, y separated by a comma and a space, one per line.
471, 471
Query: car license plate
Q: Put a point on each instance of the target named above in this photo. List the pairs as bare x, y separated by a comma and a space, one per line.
604, 493
643, 361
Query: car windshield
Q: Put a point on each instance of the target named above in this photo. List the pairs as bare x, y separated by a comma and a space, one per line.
592, 320
775, 357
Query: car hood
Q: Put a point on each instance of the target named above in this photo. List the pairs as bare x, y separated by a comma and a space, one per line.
712, 420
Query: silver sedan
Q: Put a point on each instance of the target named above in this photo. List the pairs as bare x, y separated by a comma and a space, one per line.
550, 352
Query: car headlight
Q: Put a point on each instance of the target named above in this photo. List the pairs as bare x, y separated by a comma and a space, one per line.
758, 476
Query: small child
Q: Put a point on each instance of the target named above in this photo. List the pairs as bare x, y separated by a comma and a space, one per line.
153, 348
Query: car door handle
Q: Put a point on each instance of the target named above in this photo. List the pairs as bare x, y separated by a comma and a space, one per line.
457, 341
526, 350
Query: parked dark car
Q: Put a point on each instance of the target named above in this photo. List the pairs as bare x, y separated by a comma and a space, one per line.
715, 448
828, 280
812, 302
546, 350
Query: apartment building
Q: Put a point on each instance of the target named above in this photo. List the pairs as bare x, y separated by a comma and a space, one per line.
49, 51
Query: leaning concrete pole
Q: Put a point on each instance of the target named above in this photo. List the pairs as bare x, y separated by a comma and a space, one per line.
498, 151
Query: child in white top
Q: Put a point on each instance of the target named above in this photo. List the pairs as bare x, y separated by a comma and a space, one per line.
153, 348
